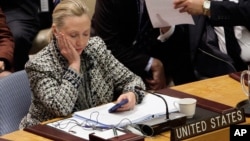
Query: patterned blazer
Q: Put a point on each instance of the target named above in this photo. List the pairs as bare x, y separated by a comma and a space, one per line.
59, 91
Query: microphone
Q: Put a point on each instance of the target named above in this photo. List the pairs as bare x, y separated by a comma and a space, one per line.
167, 113
160, 124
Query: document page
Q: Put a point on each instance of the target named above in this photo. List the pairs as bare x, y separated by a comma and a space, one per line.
163, 14
151, 106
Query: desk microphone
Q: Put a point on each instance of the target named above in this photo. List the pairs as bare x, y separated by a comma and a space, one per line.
167, 113
160, 124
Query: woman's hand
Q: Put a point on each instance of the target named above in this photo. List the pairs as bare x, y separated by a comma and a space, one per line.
130, 96
68, 50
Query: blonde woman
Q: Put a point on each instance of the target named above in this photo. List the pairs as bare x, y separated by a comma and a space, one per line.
75, 71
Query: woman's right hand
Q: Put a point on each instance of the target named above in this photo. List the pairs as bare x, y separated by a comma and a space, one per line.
68, 50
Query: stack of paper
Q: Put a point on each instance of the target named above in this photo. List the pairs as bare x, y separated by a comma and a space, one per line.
151, 106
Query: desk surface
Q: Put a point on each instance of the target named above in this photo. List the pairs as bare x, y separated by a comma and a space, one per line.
221, 89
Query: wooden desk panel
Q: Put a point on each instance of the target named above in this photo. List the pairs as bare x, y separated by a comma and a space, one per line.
21, 135
27, 136
222, 89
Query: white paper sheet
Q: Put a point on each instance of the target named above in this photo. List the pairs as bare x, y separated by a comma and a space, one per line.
163, 14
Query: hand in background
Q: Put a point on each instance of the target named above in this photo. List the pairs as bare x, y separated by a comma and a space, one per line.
3, 72
193, 7
165, 29
158, 80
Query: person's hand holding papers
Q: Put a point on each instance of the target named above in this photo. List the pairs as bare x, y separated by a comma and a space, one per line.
162, 13
193, 7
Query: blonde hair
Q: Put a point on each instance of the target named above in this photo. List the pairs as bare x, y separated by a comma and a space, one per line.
68, 8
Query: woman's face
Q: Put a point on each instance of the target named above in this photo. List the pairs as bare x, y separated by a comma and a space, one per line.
77, 31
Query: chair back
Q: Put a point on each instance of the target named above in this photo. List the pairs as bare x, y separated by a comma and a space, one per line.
15, 99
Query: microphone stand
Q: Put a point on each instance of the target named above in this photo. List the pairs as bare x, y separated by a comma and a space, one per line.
160, 124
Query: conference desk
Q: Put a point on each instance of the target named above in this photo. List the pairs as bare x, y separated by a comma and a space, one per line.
221, 89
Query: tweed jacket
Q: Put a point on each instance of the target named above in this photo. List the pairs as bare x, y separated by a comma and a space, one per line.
55, 86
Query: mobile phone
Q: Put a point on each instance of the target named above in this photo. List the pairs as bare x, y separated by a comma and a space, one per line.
118, 105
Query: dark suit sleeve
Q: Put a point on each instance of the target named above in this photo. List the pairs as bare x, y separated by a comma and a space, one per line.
115, 22
230, 13
6, 43
178, 53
